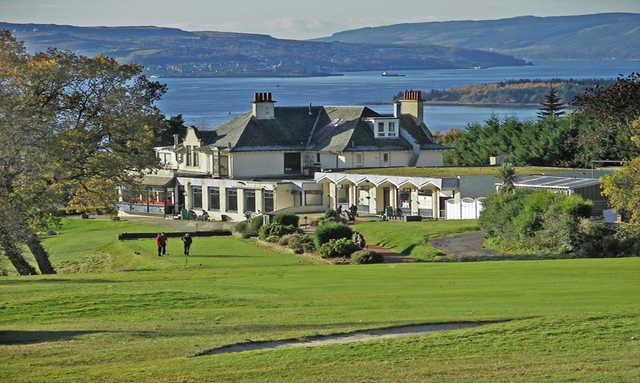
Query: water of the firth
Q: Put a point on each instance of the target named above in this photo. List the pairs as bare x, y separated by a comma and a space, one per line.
208, 102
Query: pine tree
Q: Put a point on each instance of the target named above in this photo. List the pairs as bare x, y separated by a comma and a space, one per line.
507, 174
552, 107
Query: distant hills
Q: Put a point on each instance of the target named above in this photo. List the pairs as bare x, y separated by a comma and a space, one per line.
174, 52
597, 36
515, 92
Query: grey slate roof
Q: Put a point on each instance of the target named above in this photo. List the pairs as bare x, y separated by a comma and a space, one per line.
322, 128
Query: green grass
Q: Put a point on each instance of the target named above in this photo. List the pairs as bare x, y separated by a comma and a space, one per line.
412, 238
461, 171
574, 320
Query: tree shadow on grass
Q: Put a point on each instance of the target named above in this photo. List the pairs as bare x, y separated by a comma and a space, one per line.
12, 337
407, 251
24, 281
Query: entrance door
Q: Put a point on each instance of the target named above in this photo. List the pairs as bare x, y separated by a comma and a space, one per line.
386, 198
443, 207
363, 199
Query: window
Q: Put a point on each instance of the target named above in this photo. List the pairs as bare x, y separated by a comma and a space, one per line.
224, 165
313, 198
385, 157
214, 198
165, 158
292, 163
249, 200
318, 157
359, 160
425, 192
267, 205
232, 199
196, 197
343, 194
189, 156
196, 158
380, 132
392, 129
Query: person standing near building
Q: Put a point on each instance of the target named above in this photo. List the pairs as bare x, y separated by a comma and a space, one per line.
186, 241
161, 243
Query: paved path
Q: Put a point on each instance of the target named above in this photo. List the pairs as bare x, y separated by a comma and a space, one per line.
464, 245
390, 256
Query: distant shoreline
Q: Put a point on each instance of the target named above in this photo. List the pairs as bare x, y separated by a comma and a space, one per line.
478, 104
249, 76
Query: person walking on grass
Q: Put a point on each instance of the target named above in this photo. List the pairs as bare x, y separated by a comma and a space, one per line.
161, 244
186, 241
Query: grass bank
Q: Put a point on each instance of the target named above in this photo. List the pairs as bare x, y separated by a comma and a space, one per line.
412, 238
575, 320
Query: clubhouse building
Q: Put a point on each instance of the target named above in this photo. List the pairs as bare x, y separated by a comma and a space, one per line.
299, 159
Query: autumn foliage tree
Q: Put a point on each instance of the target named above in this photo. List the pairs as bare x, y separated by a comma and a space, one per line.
71, 128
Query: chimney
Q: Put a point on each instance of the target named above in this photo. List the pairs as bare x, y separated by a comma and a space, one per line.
263, 106
397, 108
412, 104
176, 139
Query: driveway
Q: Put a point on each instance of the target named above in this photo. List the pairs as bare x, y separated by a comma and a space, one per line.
465, 245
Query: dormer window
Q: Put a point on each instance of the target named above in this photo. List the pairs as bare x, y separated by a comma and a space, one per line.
385, 127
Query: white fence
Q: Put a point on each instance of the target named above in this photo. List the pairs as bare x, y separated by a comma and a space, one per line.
465, 208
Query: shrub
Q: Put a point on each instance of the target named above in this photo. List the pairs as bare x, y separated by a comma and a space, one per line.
272, 239
284, 240
286, 219
330, 231
301, 243
274, 229
535, 220
597, 239
255, 224
363, 257
338, 248
331, 216
241, 227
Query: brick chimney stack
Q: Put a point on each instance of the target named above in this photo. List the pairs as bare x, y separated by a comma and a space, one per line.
263, 106
413, 104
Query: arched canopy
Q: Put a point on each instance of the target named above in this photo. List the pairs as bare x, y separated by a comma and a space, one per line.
379, 180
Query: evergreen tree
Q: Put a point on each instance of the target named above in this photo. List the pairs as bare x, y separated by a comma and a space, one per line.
507, 175
552, 107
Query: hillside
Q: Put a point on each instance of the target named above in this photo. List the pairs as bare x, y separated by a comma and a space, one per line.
174, 52
517, 92
598, 36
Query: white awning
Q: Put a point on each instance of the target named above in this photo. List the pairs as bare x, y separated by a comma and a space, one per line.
377, 180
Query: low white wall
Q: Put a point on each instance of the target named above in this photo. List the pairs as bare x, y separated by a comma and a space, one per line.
465, 208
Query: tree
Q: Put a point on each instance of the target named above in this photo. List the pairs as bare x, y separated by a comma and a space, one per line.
623, 186
552, 106
69, 123
611, 108
507, 175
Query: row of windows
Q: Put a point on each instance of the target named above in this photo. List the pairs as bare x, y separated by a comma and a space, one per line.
231, 199
192, 156
386, 129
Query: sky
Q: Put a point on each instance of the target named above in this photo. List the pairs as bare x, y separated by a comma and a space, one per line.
298, 19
